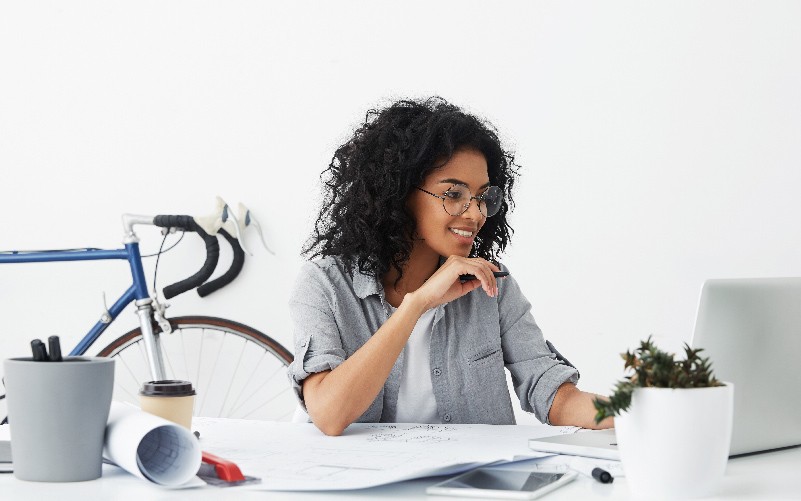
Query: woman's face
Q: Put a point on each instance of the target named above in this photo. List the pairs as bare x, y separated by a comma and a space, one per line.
437, 231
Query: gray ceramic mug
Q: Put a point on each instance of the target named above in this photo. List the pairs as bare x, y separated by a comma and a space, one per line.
57, 412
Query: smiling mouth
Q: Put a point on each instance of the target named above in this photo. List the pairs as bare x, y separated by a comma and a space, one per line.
462, 233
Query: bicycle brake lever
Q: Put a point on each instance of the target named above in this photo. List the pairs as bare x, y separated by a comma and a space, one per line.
212, 223
222, 217
237, 224
250, 220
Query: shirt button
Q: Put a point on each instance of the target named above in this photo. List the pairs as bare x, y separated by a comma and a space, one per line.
447, 418
437, 372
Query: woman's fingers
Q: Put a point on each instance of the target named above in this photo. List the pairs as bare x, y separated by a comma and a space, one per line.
478, 267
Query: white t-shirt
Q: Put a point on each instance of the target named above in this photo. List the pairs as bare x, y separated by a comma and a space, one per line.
416, 403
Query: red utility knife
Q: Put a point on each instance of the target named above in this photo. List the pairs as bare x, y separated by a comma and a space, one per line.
226, 470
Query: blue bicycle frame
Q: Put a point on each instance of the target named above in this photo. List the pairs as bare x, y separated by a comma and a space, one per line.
137, 293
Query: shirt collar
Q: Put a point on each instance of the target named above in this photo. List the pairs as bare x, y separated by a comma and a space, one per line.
365, 285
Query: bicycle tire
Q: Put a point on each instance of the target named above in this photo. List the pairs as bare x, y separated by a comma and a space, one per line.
248, 384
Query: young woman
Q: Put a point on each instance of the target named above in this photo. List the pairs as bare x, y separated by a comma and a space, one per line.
387, 329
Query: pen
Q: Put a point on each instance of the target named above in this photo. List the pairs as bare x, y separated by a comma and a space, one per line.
593, 471
39, 350
55, 348
496, 274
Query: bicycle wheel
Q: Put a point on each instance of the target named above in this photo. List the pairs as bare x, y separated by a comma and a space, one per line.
237, 371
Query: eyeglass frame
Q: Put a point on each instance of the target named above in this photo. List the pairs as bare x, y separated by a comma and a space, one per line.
466, 206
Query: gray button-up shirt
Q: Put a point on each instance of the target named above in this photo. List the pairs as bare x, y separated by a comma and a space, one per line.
474, 337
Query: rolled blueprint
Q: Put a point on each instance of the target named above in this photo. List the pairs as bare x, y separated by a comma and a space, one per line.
151, 447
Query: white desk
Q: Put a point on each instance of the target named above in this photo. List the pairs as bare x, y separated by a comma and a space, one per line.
773, 475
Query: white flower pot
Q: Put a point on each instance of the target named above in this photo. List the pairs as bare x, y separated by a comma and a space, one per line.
674, 443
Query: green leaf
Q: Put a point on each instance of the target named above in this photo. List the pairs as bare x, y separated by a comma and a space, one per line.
647, 366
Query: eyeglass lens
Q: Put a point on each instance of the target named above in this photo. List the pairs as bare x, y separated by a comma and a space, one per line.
458, 198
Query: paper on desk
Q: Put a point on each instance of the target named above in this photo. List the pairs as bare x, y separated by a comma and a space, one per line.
151, 447
298, 457
5, 450
563, 462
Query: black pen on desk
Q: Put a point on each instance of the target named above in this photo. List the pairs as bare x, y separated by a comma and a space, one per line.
39, 350
55, 348
591, 470
496, 274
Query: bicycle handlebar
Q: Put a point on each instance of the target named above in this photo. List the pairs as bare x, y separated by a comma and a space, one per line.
187, 223
227, 277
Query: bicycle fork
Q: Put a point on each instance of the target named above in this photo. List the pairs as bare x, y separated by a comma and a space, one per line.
144, 310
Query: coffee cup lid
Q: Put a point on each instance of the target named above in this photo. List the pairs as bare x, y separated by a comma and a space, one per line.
167, 388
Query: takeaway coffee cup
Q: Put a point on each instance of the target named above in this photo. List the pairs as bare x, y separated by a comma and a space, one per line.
173, 400
57, 413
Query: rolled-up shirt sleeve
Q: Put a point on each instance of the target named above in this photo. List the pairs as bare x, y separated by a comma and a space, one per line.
535, 370
318, 345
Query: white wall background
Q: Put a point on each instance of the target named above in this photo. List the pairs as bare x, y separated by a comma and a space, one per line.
660, 145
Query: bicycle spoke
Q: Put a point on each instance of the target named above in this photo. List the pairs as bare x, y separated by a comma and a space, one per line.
143, 353
166, 356
283, 392
234, 406
199, 358
183, 350
236, 370
231, 382
264, 383
213, 371
127, 367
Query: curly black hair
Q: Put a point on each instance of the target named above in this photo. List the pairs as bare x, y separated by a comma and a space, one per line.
363, 218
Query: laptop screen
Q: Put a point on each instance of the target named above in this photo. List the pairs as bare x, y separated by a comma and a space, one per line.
751, 331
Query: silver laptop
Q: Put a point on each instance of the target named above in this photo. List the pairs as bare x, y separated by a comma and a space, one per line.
751, 331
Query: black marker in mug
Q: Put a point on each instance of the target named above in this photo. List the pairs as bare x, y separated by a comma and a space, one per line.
39, 350
55, 348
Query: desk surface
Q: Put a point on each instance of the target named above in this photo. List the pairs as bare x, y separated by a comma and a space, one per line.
772, 475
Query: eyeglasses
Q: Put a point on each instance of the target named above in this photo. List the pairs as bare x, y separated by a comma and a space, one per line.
457, 199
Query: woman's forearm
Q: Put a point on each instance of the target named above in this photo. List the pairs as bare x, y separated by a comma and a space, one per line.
573, 407
334, 399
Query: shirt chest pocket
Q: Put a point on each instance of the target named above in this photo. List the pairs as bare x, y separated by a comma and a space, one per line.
485, 381
488, 354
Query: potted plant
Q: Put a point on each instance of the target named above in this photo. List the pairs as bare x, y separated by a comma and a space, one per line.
673, 423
